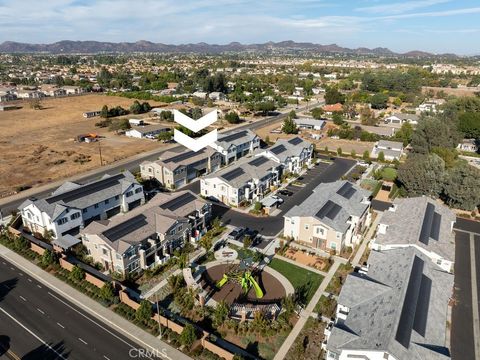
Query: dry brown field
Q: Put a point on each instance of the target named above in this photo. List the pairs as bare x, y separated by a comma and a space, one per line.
37, 146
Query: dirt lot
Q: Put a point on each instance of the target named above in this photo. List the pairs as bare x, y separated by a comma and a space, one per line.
38, 146
451, 91
346, 145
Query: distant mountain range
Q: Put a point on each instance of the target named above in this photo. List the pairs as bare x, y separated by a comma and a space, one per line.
92, 47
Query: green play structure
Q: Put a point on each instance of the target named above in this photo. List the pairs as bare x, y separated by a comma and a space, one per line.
243, 277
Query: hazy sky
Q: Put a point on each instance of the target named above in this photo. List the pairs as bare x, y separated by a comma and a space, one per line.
430, 25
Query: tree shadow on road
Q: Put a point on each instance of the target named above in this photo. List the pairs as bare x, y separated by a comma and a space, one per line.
50, 352
7, 286
4, 344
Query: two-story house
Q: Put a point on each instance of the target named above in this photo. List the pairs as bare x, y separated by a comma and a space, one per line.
333, 217
246, 181
148, 235
421, 223
73, 205
397, 310
292, 154
175, 169
392, 150
234, 145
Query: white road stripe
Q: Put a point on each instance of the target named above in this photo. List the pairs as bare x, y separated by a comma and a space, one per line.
106, 357
32, 333
30, 280
12, 268
41, 311
21, 274
21, 297
83, 341
39, 286
63, 327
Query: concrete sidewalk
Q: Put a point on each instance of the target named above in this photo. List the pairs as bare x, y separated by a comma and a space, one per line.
96, 310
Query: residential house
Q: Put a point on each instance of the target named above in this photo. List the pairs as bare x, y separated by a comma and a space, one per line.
333, 217
73, 205
73, 90
175, 169
430, 105
392, 150
400, 118
148, 235
330, 109
421, 223
309, 123
200, 94
29, 94
7, 96
292, 154
398, 310
90, 114
53, 90
216, 96
470, 145
147, 131
235, 144
248, 180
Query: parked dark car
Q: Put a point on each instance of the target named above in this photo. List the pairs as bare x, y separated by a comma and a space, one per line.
285, 192
236, 234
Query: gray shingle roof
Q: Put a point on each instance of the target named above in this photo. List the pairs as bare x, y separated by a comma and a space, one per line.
235, 138
121, 231
406, 222
325, 194
72, 195
288, 148
379, 300
172, 160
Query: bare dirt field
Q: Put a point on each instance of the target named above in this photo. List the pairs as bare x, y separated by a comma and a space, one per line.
452, 91
38, 146
346, 145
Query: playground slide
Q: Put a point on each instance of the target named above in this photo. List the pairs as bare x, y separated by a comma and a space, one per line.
222, 281
256, 287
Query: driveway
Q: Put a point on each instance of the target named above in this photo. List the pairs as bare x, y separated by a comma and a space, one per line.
465, 335
272, 225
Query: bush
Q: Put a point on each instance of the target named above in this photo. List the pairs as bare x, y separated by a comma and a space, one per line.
188, 336
77, 274
144, 312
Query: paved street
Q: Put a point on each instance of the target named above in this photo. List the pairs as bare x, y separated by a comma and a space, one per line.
272, 225
7, 205
465, 338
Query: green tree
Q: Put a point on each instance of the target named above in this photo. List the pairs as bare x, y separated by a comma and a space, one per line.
232, 117
144, 312
404, 134
77, 273
353, 153
337, 118
165, 136
339, 151
379, 101
289, 126
381, 156
469, 125
434, 132
48, 257
107, 292
136, 108
220, 314
247, 242
292, 114
317, 113
188, 335
206, 242
462, 184
333, 96
104, 112
366, 155
422, 175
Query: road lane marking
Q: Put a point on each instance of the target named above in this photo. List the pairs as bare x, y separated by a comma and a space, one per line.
476, 319
39, 286
32, 333
12, 268
41, 311
20, 274
63, 327
29, 280
21, 297
106, 357
83, 341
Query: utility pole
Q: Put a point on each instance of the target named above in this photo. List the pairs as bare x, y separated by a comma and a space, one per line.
100, 151
158, 314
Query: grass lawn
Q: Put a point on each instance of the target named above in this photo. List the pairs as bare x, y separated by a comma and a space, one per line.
298, 277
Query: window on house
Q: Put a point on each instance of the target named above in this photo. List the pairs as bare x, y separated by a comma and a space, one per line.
75, 216
333, 246
130, 193
107, 201
84, 210
62, 221
439, 262
104, 251
306, 226
139, 190
95, 206
117, 197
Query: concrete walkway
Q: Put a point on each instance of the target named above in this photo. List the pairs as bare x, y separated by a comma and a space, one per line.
366, 241
93, 308
305, 314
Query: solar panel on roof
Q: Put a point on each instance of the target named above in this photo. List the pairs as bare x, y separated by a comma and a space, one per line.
258, 161
347, 190
234, 136
179, 157
427, 224
233, 174
329, 210
178, 202
85, 189
435, 230
421, 312
126, 227
407, 316
278, 149
295, 141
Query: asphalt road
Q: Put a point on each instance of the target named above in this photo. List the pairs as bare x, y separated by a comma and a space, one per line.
11, 203
37, 323
272, 225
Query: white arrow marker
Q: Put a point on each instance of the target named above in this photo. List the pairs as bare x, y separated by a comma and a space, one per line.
195, 125
195, 144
